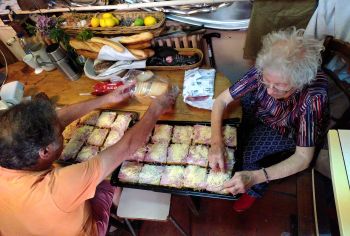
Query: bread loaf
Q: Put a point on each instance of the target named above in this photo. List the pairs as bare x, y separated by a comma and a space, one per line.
89, 46
77, 44
87, 54
142, 54
141, 45
136, 38
115, 45
151, 88
94, 47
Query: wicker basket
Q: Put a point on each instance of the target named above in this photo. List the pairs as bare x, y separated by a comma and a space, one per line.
156, 29
182, 51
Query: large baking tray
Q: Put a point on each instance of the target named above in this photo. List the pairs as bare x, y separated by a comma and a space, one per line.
185, 191
135, 117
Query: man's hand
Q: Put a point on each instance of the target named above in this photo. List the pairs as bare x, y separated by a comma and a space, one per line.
121, 93
165, 102
240, 182
217, 155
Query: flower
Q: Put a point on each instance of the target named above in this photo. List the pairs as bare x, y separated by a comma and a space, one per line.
44, 24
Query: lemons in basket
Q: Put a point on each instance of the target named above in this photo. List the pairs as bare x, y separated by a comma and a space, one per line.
110, 22
149, 20
103, 23
107, 15
95, 22
116, 20
138, 22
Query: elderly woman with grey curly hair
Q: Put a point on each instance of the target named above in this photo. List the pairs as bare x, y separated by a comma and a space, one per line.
285, 103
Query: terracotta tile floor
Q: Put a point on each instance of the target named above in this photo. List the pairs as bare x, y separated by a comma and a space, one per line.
271, 215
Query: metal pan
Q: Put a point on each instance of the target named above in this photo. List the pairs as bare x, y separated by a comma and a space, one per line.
184, 191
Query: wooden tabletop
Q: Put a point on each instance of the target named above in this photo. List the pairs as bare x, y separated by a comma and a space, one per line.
65, 92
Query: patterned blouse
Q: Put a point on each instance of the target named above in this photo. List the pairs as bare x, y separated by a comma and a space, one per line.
302, 115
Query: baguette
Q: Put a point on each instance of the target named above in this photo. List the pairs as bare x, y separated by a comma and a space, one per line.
142, 54
149, 52
87, 54
141, 45
77, 44
90, 46
94, 47
115, 45
136, 38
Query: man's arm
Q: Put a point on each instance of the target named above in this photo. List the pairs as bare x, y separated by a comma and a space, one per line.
297, 162
134, 138
68, 114
217, 150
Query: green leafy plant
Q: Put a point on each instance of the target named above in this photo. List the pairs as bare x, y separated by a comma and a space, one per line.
84, 35
31, 29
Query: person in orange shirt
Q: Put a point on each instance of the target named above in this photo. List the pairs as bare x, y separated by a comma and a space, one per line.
39, 199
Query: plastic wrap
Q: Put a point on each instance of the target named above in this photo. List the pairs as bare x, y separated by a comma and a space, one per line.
149, 86
198, 89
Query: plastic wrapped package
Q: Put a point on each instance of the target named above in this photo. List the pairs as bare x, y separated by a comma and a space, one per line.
198, 89
149, 87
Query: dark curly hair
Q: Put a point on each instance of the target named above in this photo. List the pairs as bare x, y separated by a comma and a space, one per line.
24, 129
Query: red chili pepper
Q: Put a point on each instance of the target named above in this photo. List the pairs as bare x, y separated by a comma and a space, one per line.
102, 88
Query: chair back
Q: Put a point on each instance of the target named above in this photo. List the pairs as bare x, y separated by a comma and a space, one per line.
337, 47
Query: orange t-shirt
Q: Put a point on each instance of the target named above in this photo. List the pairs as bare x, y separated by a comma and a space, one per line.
50, 202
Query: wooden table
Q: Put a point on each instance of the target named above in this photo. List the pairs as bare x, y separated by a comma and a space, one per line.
339, 153
65, 92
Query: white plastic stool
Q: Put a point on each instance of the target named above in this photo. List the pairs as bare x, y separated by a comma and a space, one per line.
145, 205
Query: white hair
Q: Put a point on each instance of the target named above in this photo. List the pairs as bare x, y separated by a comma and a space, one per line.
295, 56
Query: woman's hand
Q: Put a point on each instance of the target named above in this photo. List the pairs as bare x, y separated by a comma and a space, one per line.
240, 182
217, 155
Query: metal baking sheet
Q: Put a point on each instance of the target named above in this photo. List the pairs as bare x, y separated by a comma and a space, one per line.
184, 191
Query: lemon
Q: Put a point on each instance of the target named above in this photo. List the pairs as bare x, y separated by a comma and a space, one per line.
109, 22
149, 20
107, 15
95, 22
138, 22
116, 20
103, 23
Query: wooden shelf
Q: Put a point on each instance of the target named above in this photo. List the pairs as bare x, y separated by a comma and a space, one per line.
126, 6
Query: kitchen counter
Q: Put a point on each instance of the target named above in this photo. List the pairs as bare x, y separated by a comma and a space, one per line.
64, 92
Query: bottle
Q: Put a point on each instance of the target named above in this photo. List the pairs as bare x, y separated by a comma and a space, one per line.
23, 42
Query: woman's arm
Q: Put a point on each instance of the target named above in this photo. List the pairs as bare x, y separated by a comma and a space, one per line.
217, 149
297, 162
68, 114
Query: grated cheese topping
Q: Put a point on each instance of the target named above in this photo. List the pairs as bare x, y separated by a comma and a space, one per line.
195, 177
106, 119
216, 180
162, 134
113, 137
230, 136
90, 118
71, 149
129, 172
97, 137
202, 134
82, 133
122, 122
151, 174
182, 134
177, 153
157, 152
86, 153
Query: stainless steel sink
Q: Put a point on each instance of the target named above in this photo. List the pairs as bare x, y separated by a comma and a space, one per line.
233, 17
